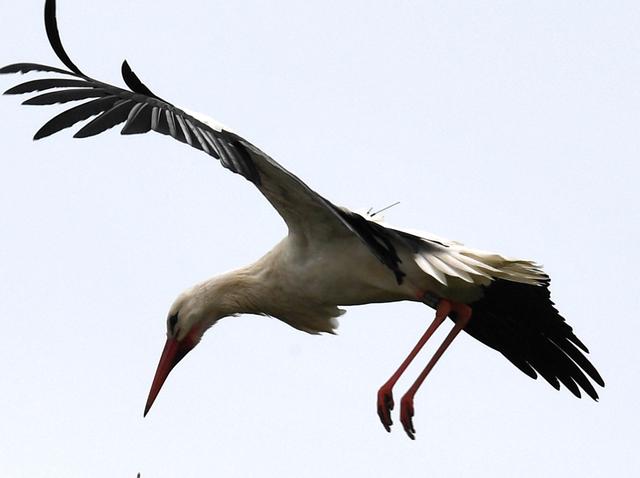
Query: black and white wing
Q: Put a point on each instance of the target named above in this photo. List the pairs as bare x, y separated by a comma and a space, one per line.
305, 212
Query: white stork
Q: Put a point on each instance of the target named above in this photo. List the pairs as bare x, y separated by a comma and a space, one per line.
331, 256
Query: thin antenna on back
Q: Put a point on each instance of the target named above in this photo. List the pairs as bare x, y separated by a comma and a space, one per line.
383, 209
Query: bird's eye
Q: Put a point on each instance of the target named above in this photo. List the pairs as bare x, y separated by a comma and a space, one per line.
173, 320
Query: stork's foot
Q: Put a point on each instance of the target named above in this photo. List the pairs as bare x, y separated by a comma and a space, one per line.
385, 405
406, 415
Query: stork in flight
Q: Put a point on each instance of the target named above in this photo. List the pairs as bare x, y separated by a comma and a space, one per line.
331, 256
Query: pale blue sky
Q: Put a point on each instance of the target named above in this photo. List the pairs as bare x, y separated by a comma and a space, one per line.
511, 126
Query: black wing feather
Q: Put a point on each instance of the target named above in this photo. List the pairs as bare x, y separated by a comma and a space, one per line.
171, 122
521, 322
51, 25
247, 167
117, 114
215, 150
47, 84
29, 67
72, 116
155, 119
64, 96
523, 366
202, 145
573, 371
134, 83
139, 120
187, 135
570, 349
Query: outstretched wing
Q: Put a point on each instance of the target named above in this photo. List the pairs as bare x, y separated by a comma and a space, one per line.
306, 213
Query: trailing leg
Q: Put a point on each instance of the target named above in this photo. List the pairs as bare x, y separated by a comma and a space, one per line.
385, 395
463, 315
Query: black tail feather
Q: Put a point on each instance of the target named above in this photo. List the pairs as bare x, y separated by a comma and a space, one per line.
521, 322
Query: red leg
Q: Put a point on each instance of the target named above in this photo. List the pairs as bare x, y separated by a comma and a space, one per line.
385, 395
406, 404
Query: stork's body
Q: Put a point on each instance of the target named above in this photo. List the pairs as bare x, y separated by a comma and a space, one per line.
304, 283
331, 256
318, 276
332, 272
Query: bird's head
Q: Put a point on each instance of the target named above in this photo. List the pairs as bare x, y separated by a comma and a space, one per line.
188, 319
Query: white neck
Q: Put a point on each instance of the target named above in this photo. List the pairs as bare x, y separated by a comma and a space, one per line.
248, 290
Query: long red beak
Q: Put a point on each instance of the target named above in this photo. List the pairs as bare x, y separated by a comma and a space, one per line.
173, 352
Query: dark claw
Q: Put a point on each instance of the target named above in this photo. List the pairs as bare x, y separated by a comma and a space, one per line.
385, 405
406, 415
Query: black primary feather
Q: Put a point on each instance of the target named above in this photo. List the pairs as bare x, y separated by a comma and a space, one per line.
51, 25
117, 114
47, 84
134, 83
65, 96
29, 67
74, 115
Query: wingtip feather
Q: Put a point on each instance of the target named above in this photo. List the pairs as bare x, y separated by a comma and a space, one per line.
53, 34
134, 83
